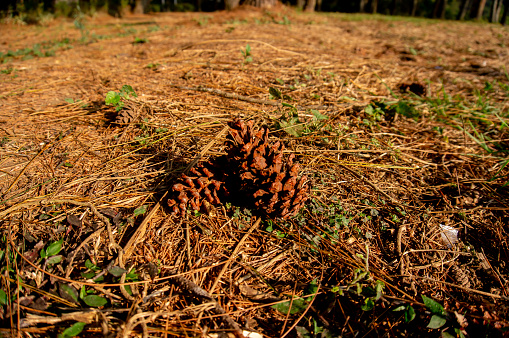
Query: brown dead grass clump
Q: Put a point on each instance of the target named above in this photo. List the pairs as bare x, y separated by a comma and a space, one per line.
400, 129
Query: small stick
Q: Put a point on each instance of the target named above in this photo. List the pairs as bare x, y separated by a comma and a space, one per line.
228, 95
460, 287
194, 289
495, 273
70, 267
103, 218
303, 313
234, 253
33, 158
140, 232
401, 230
187, 46
243, 97
374, 186
206, 148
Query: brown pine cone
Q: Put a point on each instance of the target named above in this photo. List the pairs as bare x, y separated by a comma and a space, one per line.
254, 173
196, 190
260, 172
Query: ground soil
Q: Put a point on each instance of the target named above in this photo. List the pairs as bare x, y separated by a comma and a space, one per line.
382, 187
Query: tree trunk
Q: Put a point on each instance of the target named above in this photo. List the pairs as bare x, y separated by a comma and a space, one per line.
138, 7
30, 5
480, 9
439, 9
49, 5
362, 5
374, 6
259, 3
436, 9
301, 3
506, 9
115, 8
231, 4
442, 10
394, 5
496, 6
8, 5
465, 5
414, 7
310, 5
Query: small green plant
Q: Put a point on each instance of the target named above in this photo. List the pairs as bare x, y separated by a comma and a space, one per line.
50, 254
116, 98
297, 84
317, 330
439, 317
236, 22
479, 118
275, 94
203, 20
73, 330
285, 21
377, 111
4, 300
412, 51
140, 210
128, 31
363, 285
298, 304
372, 295
138, 41
408, 312
278, 233
27, 53
291, 123
8, 70
79, 18
246, 53
242, 214
438, 314
95, 300
142, 139
153, 66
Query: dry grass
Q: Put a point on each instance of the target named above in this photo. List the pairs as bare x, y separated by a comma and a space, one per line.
381, 185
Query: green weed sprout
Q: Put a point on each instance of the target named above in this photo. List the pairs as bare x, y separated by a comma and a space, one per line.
115, 98
247, 54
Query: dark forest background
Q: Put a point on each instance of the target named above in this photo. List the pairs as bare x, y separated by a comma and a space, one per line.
486, 10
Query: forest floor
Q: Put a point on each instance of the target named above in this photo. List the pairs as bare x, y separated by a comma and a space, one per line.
400, 127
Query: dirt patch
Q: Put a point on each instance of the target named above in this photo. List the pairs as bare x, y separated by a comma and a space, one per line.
400, 127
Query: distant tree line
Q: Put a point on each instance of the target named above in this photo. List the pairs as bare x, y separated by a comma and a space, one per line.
489, 10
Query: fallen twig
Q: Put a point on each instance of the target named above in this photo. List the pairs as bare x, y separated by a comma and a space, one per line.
187, 285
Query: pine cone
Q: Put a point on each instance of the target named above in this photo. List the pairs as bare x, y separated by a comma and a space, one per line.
261, 173
131, 112
126, 116
197, 191
253, 172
